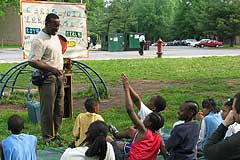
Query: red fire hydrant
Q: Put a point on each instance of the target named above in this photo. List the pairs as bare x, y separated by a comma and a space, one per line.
159, 47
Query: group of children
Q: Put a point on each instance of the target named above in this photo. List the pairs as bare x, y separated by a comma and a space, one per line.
186, 139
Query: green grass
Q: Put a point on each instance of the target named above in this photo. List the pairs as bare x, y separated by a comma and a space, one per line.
237, 46
183, 79
10, 46
111, 116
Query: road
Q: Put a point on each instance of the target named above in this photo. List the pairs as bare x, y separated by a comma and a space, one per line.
15, 55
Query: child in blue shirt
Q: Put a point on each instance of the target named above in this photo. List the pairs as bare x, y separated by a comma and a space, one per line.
18, 145
211, 120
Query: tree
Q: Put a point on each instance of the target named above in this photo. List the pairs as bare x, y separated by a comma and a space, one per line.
189, 17
223, 19
208, 19
118, 16
154, 17
4, 4
94, 12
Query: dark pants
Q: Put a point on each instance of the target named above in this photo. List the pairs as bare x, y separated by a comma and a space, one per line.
88, 45
52, 105
119, 155
141, 48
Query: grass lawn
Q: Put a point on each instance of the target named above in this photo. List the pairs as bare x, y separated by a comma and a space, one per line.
11, 46
185, 79
237, 46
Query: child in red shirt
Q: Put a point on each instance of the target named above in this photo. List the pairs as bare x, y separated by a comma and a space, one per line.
148, 141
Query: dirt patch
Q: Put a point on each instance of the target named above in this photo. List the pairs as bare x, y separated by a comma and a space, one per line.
233, 82
11, 107
116, 97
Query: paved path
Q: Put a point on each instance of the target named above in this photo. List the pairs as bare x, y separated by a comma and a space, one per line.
15, 55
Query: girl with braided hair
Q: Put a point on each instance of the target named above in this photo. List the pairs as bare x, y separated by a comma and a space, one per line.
211, 120
94, 147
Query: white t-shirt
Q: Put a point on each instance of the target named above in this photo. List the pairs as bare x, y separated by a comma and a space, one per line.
232, 129
78, 153
177, 123
143, 112
142, 38
48, 49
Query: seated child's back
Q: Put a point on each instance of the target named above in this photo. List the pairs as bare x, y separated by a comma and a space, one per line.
183, 139
83, 120
18, 146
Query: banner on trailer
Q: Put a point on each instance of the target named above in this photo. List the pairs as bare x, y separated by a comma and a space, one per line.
73, 26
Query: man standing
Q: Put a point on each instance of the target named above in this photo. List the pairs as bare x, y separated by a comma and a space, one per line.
46, 56
141, 42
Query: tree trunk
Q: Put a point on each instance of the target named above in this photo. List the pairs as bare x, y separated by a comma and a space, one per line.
232, 41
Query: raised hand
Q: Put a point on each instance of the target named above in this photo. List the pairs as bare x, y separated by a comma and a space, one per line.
230, 119
125, 81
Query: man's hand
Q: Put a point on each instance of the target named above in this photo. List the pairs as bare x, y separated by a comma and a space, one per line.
230, 118
45, 67
56, 72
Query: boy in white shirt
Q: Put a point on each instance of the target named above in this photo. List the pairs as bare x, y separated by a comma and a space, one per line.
155, 104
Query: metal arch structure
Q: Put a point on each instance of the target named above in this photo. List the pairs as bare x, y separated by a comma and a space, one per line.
8, 79
87, 71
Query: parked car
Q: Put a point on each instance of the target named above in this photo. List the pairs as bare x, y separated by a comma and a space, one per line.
173, 43
211, 43
196, 44
169, 43
188, 41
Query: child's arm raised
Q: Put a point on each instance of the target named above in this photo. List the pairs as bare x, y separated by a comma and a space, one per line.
135, 97
129, 107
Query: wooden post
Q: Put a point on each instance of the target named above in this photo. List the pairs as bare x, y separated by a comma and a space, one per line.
68, 98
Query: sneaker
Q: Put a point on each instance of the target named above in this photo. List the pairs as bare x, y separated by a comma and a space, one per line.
47, 139
58, 138
113, 130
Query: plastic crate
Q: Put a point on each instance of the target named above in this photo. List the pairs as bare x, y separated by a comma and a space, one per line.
33, 111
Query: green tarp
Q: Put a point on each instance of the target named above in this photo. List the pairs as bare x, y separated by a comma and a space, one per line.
50, 153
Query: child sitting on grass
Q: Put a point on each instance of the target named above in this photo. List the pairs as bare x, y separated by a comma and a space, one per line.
211, 120
235, 127
18, 146
155, 104
83, 120
183, 138
94, 147
147, 140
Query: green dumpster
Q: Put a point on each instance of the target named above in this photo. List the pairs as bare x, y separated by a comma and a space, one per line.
115, 41
132, 41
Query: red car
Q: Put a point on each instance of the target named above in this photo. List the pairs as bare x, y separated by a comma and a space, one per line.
211, 43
